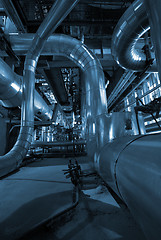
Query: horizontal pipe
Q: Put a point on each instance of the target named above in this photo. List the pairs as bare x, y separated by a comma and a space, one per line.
52, 144
11, 92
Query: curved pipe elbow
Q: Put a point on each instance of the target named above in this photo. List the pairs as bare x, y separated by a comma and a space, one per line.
132, 25
13, 159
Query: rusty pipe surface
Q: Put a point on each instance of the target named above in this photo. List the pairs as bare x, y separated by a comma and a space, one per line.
11, 92
13, 159
131, 26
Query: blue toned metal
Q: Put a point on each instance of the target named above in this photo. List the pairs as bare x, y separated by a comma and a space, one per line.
132, 25
95, 120
10, 86
13, 159
132, 168
94, 101
12, 13
11, 92
153, 9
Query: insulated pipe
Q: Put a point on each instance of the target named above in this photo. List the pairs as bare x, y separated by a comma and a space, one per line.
132, 168
153, 9
10, 86
57, 13
94, 101
11, 92
131, 26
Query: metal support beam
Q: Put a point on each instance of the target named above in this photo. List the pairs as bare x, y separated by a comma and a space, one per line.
13, 14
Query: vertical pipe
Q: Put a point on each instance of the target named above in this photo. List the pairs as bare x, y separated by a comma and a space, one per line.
56, 15
153, 9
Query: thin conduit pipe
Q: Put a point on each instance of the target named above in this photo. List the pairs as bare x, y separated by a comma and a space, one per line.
13, 159
132, 25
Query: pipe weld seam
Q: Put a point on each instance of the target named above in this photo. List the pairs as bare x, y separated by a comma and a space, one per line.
95, 66
29, 68
117, 159
22, 147
31, 62
9, 98
23, 140
18, 153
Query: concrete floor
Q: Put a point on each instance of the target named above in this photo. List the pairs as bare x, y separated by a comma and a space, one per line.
40, 191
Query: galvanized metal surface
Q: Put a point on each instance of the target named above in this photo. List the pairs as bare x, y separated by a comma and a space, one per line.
132, 25
153, 9
10, 86
13, 159
94, 101
11, 92
132, 168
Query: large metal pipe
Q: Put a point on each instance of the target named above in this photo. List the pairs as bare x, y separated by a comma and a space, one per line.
131, 165
57, 13
10, 86
94, 101
153, 9
132, 168
11, 92
132, 25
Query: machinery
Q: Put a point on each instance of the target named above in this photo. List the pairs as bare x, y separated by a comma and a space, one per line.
123, 154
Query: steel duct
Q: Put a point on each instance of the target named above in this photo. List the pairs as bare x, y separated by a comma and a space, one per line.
57, 13
132, 25
94, 101
153, 9
11, 92
132, 168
